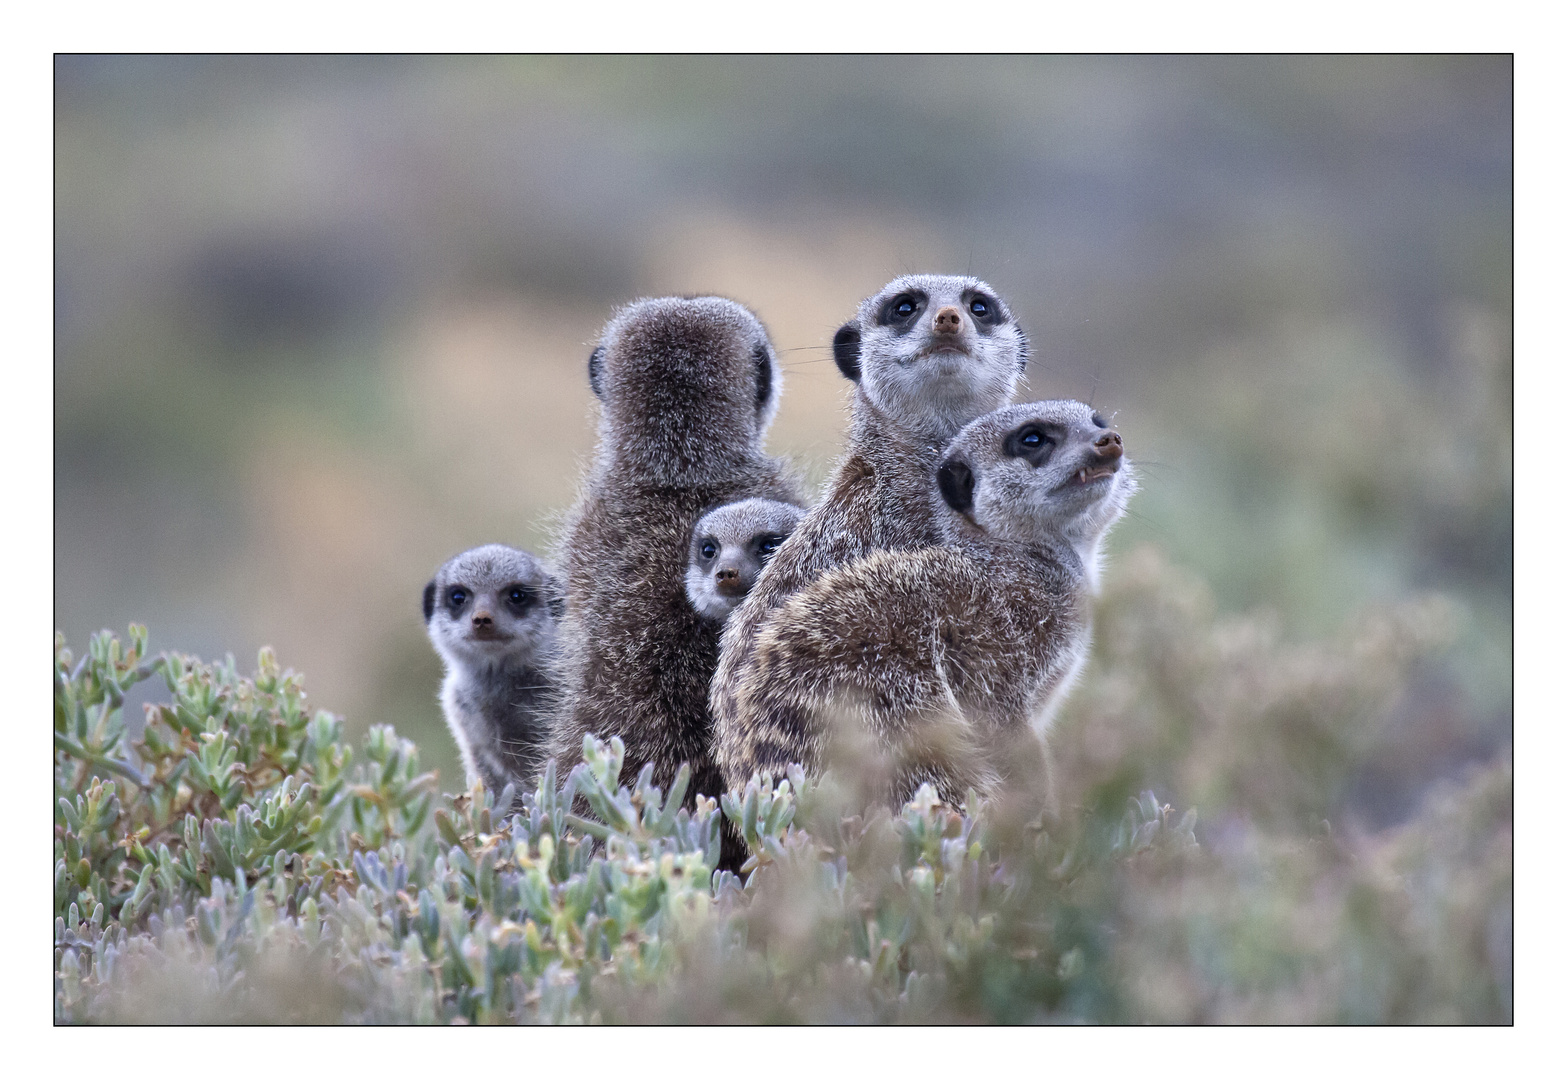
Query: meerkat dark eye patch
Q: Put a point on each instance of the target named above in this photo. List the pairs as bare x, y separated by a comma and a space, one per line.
956, 481
764, 375
901, 311
1098, 420
986, 310
429, 601
456, 597
846, 350
596, 372
520, 596
1031, 441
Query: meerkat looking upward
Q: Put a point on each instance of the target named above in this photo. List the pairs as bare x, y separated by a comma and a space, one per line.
927, 353
729, 547
491, 614
687, 389
941, 664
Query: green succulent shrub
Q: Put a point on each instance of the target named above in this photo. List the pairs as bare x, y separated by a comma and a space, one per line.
235, 859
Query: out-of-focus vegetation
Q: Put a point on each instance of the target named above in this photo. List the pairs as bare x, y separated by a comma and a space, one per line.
322, 322
238, 861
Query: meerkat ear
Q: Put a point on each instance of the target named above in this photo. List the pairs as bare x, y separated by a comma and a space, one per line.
596, 371
956, 481
429, 601
846, 350
764, 375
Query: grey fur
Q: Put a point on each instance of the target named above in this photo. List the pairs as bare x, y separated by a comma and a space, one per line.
729, 547
498, 645
687, 388
909, 401
947, 662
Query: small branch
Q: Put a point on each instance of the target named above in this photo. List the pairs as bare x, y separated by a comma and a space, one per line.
78, 751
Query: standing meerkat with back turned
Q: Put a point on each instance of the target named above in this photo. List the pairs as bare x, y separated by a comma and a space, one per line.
945, 664
687, 389
927, 353
491, 614
729, 548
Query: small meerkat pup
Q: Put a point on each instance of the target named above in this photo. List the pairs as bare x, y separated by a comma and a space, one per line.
729, 547
492, 615
945, 664
687, 388
927, 353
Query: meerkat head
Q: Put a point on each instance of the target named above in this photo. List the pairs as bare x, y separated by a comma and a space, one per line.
1041, 472
729, 547
491, 607
685, 383
933, 350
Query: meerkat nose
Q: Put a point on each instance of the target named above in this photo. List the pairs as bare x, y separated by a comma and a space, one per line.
949, 320
483, 618
728, 573
1108, 445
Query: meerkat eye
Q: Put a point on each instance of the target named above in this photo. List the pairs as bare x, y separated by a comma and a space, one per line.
900, 312
709, 549
766, 545
979, 307
903, 307
457, 597
519, 596
1031, 441
1098, 420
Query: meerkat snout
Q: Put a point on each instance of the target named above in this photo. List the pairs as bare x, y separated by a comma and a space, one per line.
949, 320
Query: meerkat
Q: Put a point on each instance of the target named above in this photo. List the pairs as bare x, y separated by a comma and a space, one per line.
687, 389
492, 614
729, 547
927, 354
944, 664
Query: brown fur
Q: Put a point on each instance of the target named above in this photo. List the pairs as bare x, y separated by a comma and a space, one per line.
904, 411
688, 388
939, 662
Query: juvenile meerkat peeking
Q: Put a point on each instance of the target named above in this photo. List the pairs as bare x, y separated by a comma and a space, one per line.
492, 615
687, 389
729, 547
927, 353
944, 664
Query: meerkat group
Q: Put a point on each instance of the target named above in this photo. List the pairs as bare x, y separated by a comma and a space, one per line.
918, 624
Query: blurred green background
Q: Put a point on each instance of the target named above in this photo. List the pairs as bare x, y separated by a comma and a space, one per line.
322, 322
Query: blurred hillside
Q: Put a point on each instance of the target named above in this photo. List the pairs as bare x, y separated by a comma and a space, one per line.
322, 322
